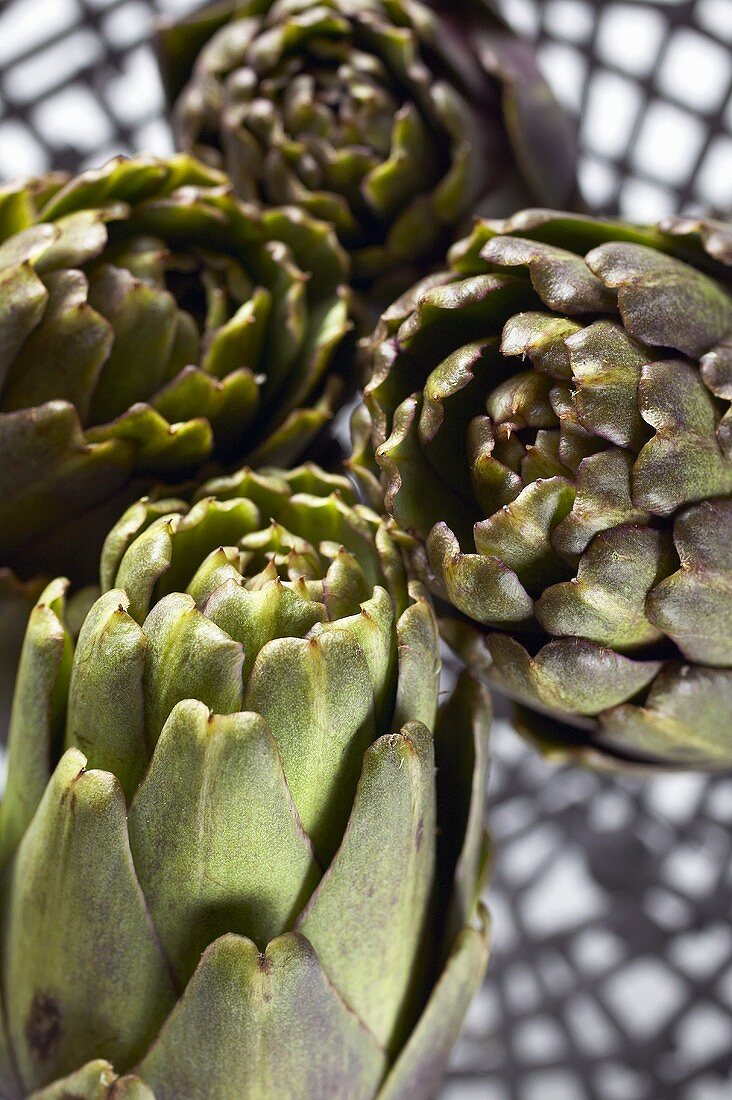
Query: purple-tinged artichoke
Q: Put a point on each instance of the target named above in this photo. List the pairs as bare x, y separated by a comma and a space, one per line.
552, 422
393, 119
150, 322
243, 849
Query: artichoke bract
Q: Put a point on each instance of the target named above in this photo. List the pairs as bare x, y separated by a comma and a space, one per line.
392, 119
232, 868
552, 424
149, 322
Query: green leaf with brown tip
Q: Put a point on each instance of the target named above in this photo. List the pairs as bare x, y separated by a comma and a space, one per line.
464, 310
321, 518
716, 369
75, 908
146, 558
485, 588
522, 401
368, 918
606, 602
158, 445
216, 570
683, 462
95, 1081
372, 626
494, 482
188, 657
230, 404
37, 716
520, 535
256, 618
263, 1025
418, 651
28, 246
17, 207
395, 180
81, 237
345, 587
105, 714
684, 722
239, 342
405, 466
542, 337
606, 369
128, 527
317, 696
205, 527
73, 337
216, 840
562, 280
694, 605
603, 499
570, 675
453, 374
663, 301
23, 301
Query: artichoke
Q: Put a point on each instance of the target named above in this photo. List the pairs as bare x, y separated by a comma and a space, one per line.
551, 420
231, 868
392, 119
150, 322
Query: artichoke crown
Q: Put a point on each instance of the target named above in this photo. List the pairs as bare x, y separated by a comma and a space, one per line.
152, 322
583, 527
228, 856
391, 119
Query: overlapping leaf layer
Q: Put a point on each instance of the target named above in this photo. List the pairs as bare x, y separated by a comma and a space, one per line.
552, 421
392, 119
243, 849
150, 322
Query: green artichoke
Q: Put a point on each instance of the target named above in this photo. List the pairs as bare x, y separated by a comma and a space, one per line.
552, 422
232, 870
150, 322
392, 119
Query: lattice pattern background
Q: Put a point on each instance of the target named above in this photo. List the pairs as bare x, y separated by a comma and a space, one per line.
650, 82
612, 970
652, 86
611, 976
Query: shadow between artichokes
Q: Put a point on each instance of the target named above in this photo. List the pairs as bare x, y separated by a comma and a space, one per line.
231, 867
551, 423
151, 324
393, 120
